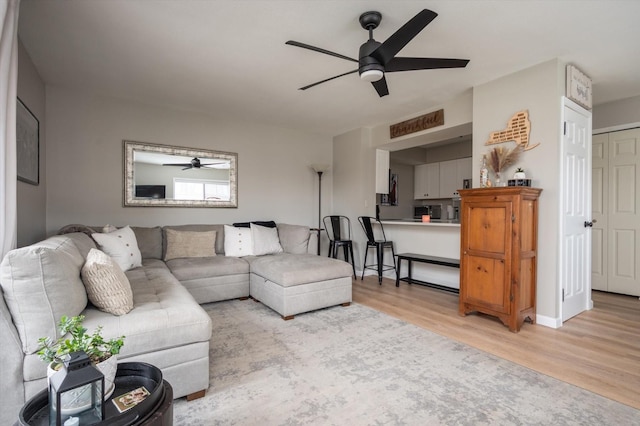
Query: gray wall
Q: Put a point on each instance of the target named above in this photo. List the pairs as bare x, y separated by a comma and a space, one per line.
537, 89
31, 199
84, 163
617, 114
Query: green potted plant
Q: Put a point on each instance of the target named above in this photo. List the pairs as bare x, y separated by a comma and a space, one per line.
75, 337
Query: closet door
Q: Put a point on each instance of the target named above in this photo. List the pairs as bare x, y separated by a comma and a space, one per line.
624, 217
599, 205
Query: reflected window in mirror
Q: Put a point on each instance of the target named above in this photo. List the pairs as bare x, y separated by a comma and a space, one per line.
163, 175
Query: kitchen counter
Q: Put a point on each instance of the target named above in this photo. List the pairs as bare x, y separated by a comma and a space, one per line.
434, 222
436, 238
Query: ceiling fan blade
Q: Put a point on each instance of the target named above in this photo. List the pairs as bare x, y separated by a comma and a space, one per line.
411, 64
391, 46
319, 50
381, 87
178, 164
328, 79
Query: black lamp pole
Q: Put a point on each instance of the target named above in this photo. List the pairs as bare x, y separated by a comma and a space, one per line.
319, 169
319, 207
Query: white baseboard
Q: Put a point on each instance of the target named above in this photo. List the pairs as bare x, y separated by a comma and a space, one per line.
548, 321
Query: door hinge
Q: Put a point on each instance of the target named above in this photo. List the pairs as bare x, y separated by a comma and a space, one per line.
563, 294
564, 131
513, 218
511, 297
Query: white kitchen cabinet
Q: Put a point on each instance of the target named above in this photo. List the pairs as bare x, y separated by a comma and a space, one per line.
452, 175
426, 181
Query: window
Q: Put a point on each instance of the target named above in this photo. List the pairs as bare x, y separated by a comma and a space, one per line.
201, 189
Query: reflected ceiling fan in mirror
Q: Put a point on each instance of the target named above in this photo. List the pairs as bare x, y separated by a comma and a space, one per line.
196, 164
376, 59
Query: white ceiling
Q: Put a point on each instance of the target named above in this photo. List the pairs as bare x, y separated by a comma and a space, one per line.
229, 58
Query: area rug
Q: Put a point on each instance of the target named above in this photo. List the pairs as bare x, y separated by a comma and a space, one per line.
357, 366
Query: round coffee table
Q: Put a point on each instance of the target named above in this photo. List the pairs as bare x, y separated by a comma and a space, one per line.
155, 410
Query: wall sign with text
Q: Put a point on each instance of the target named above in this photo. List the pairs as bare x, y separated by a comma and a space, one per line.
578, 87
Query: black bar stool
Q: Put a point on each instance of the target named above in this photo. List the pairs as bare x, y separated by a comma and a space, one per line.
378, 240
339, 232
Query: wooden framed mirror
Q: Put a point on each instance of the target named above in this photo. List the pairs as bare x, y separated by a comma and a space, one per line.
171, 176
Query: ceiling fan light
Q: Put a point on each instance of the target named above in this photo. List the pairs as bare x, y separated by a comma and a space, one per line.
371, 75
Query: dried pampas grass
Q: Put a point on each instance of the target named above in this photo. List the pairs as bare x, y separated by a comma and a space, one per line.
501, 158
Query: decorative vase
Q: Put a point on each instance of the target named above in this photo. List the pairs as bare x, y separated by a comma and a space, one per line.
499, 181
108, 368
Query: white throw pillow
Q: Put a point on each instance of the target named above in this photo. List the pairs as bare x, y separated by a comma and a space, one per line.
122, 246
237, 241
265, 240
107, 286
182, 244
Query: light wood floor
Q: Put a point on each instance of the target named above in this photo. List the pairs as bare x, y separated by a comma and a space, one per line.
598, 350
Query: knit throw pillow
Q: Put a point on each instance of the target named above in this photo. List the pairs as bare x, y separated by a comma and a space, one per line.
107, 286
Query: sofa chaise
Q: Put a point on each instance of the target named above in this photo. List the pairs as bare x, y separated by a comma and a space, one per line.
166, 326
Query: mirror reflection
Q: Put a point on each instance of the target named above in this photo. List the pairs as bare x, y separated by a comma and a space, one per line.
162, 175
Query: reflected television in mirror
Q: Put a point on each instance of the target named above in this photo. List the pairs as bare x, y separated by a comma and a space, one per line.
151, 191
163, 175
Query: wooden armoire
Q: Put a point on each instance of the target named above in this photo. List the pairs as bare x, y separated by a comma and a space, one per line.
498, 253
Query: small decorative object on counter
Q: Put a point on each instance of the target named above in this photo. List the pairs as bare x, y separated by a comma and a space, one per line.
519, 182
484, 173
76, 392
426, 218
519, 174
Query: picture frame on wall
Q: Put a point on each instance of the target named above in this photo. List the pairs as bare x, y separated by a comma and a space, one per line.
393, 189
27, 145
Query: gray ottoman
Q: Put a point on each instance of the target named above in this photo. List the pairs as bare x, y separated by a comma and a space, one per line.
291, 284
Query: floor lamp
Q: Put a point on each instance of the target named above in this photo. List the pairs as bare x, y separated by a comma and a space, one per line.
319, 169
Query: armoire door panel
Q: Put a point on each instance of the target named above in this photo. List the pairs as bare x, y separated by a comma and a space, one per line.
485, 277
493, 221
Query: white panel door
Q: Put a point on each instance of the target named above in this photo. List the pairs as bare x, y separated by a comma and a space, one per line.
575, 171
624, 219
599, 206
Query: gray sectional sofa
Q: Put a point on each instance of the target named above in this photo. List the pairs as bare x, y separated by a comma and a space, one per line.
167, 326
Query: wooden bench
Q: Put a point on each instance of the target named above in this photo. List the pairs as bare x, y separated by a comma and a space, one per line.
423, 258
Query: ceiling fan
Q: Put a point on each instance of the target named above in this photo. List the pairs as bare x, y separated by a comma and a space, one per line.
375, 58
196, 164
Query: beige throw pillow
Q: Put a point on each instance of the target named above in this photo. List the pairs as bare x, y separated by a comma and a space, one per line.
107, 286
190, 244
122, 246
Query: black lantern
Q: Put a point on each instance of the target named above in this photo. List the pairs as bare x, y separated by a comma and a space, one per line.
76, 392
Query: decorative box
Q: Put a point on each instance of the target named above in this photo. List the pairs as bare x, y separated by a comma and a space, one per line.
519, 182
